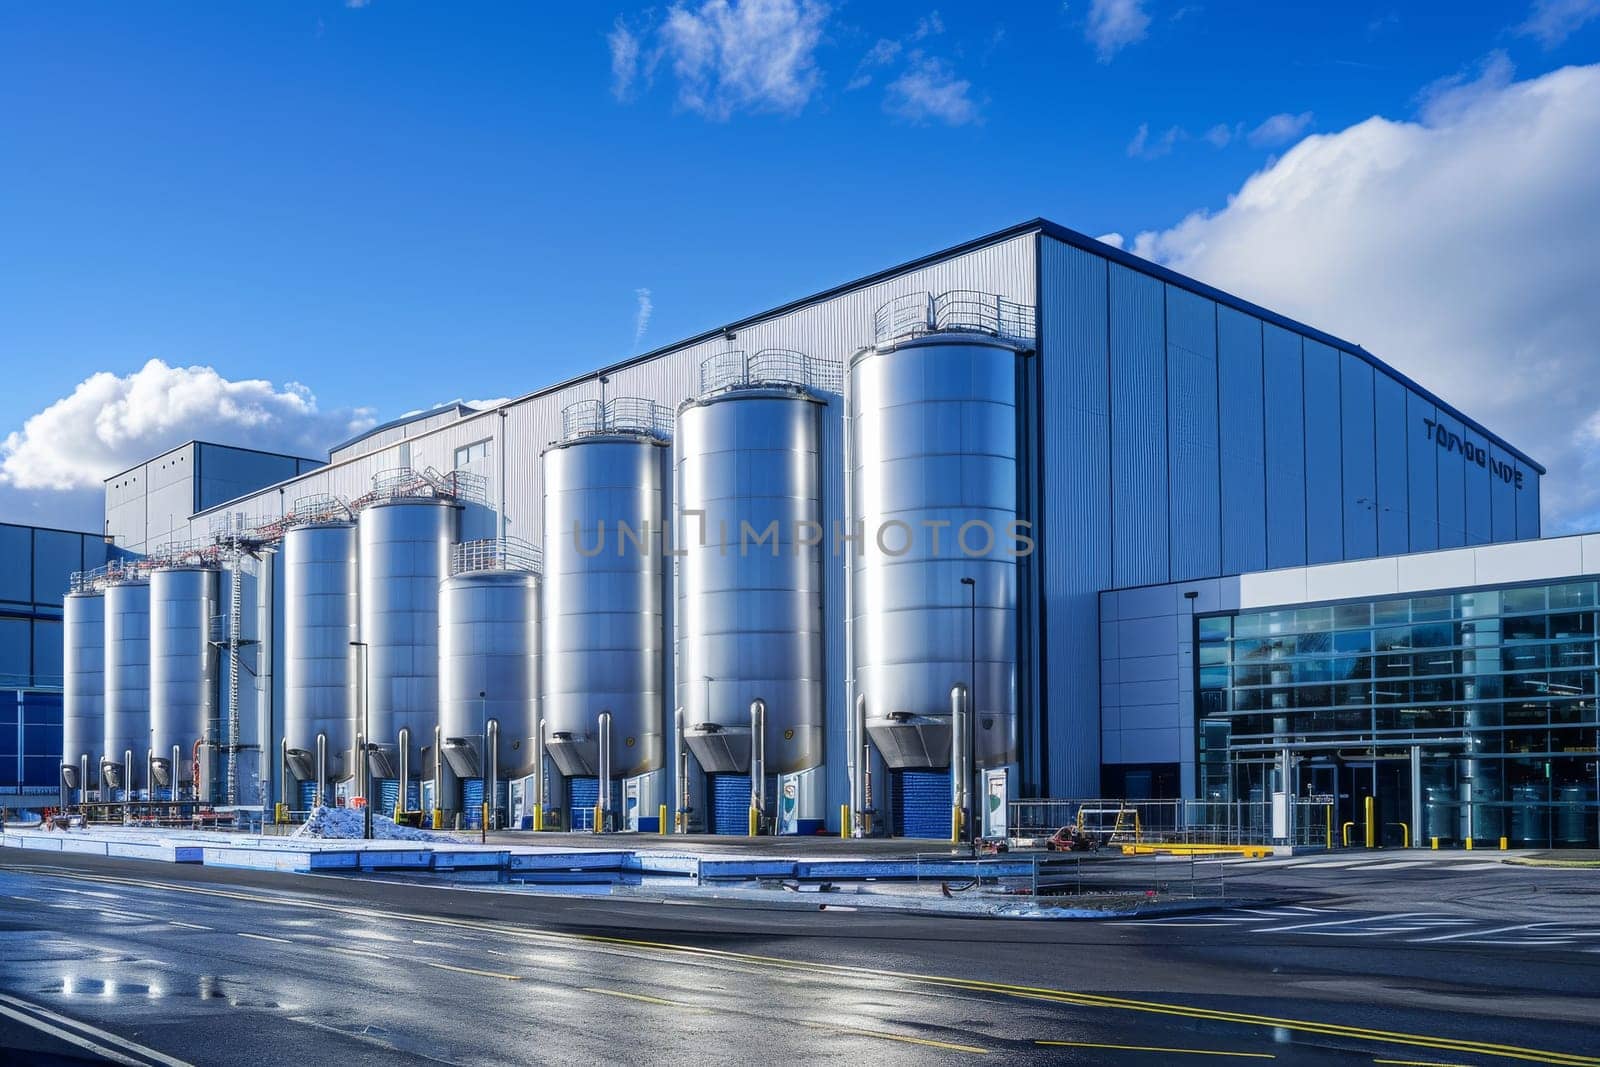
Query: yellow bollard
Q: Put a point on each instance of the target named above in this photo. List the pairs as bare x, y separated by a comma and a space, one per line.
438, 818
538, 816
1344, 833
280, 814
755, 821
955, 825
1502, 844
1435, 841
1469, 844
1329, 818
599, 825
844, 821
1368, 805
661, 820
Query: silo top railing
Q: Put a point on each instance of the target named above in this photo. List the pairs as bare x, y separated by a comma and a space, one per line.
496, 554
398, 482
955, 310
734, 369
621, 414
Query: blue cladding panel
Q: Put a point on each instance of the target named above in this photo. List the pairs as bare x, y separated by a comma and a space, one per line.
308, 794
1286, 444
1389, 410
47, 652
921, 803
1423, 464
1242, 439
582, 796
1075, 471
1359, 467
1324, 459
1502, 495
1480, 520
388, 790
730, 804
1452, 483
1138, 429
1196, 496
55, 556
1528, 503
16, 577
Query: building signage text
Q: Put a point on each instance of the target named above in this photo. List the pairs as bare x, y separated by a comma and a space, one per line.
1471, 452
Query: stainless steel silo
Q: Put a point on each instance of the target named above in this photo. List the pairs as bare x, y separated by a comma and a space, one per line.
404, 553
750, 622
127, 681
183, 673
320, 620
488, 663
83, 698
933, 487
603, 623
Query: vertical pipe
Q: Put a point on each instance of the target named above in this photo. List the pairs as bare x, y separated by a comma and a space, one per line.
538, 775
318, 796
127, 780
491, 768
438, 812
172, 774
149, 774
959, 775
405, 770
758, 763
283, 773
1416, 795
83, 778
602, 805
857, 760
680, 771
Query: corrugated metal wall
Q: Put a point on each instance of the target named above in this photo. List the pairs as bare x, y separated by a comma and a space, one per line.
1284, 368
1359, 467
1138, 428
1241, 388
1194, 473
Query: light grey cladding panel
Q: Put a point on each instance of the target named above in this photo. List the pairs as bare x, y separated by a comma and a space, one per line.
1076, 531
1242, 436
1324, 455
1138, 428
1359, 498
1195, 495
1389, 430
1283, 374
1422, 464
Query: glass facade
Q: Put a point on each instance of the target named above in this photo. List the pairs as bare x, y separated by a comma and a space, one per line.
1461, 715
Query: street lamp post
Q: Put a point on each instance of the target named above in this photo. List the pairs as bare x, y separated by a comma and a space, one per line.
972, 713
483, 764
366, 742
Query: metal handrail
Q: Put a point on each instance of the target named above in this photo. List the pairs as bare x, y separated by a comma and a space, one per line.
734, 369
622, 414
496, 554
954, 310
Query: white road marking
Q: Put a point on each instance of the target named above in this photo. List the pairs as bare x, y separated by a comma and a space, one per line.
1340, 922
1400, 866
111, 1046
189, 926
264, 937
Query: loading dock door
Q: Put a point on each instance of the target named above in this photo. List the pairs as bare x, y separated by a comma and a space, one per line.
922, 803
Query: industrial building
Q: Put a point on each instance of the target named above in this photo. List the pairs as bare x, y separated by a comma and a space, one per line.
950, 532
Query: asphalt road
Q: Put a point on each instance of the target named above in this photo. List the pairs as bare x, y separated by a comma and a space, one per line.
172, 964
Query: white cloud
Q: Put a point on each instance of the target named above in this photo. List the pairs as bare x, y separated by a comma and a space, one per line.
641, 317
881, 54
1113, 239
1220, 135
929, 89
930, 25
1144, 147
1552, 21
743, 55
110, 422
1459, 247
624, 44
1115, 24
1280, 129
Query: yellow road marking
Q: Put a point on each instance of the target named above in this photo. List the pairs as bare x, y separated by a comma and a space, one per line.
471, 970
949, 1046
1059, 996
648, 1000
1152, 1048
1418, 1063
264, 937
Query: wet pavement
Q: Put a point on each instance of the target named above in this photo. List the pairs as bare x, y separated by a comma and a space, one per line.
213, 966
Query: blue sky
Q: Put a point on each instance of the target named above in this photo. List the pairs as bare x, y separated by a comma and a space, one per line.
401, 203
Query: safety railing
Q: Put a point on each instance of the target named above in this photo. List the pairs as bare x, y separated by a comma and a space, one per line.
955, 310
735, 369
1214, 822
496, 554
400, 482
621, 414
